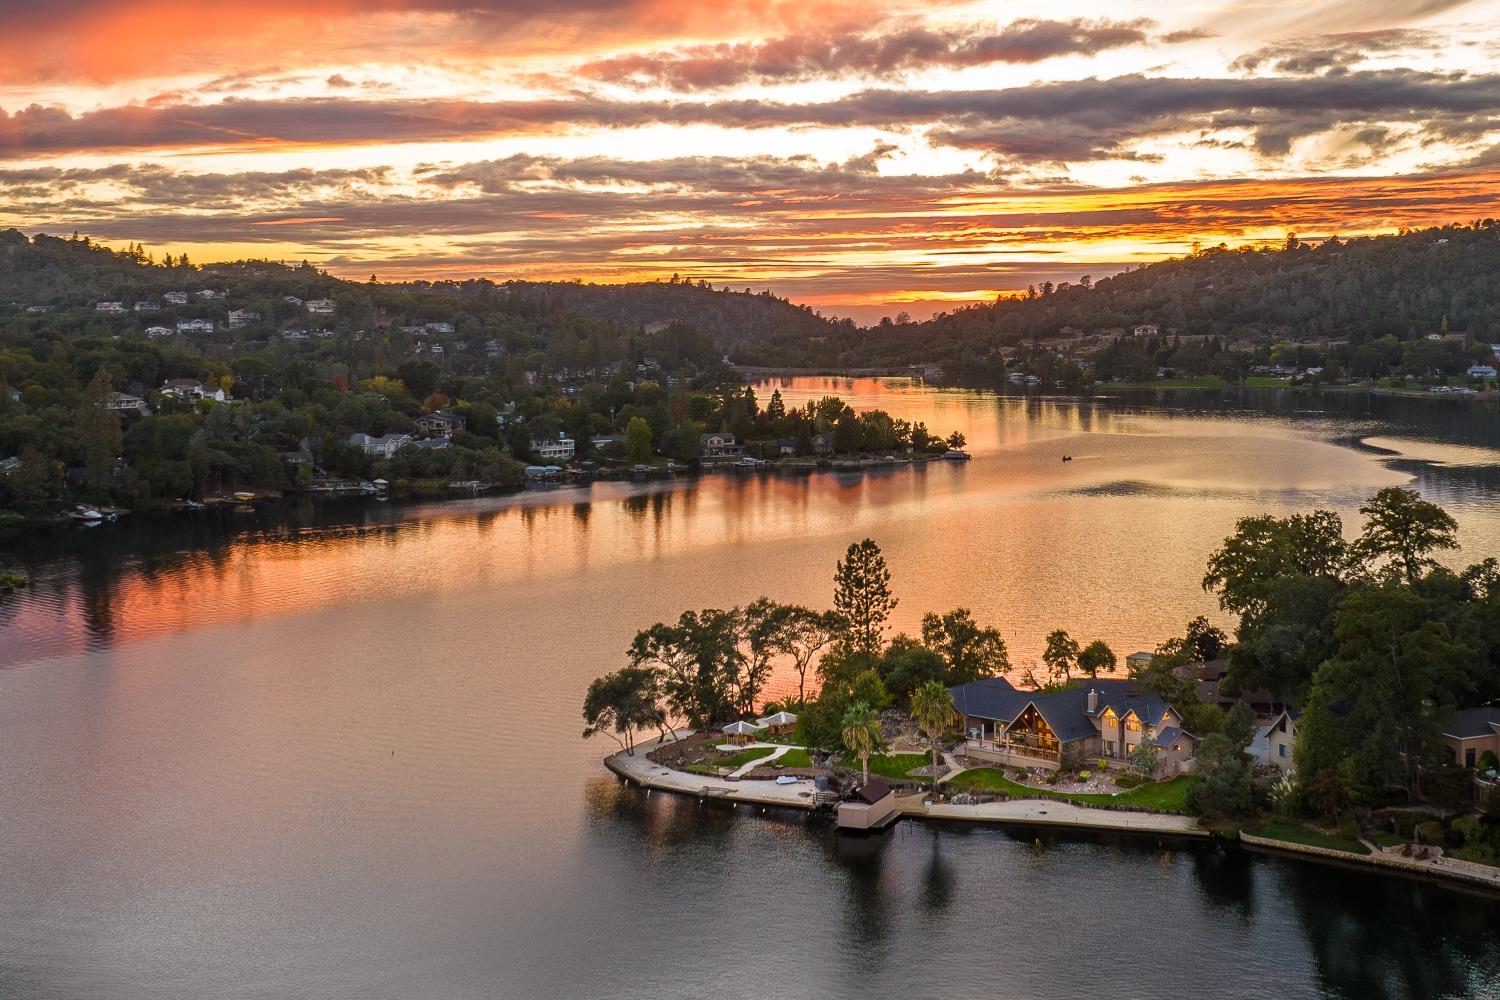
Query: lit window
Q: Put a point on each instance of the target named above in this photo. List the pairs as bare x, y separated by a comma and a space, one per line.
1133, 725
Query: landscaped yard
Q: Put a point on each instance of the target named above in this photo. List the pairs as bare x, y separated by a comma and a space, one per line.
745, 757
1386, 838
1296, 833
892, 765
795, 757
1166, 796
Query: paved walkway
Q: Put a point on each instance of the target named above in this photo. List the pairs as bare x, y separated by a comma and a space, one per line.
745, 769
1043, 812
651, 775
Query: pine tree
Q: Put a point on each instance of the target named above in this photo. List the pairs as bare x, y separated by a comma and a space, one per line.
862, 597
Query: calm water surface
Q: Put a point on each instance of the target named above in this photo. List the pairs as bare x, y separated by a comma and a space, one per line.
332, 752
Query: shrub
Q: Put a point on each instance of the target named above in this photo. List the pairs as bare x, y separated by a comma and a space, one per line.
1349, 829
1430, 832
1128, 781
1101, 763
1489, 762
1405, 824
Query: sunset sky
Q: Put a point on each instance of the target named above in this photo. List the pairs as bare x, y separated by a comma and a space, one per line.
863, 157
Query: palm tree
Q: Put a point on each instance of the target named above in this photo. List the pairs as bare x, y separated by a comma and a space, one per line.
862, 733
932, 709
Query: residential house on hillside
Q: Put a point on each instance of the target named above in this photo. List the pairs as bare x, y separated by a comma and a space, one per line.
320, 307
292, 300
1099, 718
438, 327
191, 390
1481, 371
209, 294
146, 307
37, 310
158, 332
123, 402
243, 317
384, 446
558, 449
1145, 330
109, 307
195, 326
440, 423
176, 298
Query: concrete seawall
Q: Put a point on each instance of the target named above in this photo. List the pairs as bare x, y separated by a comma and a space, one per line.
1450, 869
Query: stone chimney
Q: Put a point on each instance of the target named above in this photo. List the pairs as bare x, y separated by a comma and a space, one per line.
1093, 701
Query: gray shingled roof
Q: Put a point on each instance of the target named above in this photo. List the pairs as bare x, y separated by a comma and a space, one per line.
1065, 711
1469, 723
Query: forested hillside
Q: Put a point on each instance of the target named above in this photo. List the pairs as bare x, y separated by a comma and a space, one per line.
1406, 286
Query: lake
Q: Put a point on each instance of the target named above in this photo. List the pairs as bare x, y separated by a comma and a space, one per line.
332, 750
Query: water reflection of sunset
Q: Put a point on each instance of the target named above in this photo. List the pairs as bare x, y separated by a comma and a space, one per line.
1109, 545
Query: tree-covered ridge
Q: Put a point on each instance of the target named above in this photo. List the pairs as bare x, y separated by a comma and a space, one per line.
1407, 285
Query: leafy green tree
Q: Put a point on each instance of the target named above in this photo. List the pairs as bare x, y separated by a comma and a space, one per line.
623, 703
1222, 786
700, 662
1143, 758
1402, 531
861, 734
1096, 656
933, 711
1060, 655
638, 441
862, 597
1375, 706
1266, 549
99, 431
970, 651
907, 664
802, 634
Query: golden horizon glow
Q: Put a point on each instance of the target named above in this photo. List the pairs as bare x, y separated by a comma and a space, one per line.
864, 160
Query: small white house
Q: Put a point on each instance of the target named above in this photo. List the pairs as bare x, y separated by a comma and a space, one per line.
195, 326
320, 307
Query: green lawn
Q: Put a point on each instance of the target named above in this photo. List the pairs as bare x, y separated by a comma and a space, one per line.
894, 765
795, 757
1167, 796
1387, 839
1296, 833
745, 757
1266, 382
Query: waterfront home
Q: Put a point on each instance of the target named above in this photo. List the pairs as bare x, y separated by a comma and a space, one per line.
741, 732
786, 446
384, 446
718, 444
1470, 732
440, 423
1099, 718
1211, 690
873, 806
558, 449
1281, 739
823, 443
779, 723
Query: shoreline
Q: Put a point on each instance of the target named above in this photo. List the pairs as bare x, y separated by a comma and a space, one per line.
638, 770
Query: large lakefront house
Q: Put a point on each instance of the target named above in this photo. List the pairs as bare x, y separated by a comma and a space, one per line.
1099, 718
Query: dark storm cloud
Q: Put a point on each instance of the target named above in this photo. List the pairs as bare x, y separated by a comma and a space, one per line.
1084, 118
1334, 53
899, 49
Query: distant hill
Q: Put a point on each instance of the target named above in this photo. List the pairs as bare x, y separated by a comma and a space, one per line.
756, 327
1406, 285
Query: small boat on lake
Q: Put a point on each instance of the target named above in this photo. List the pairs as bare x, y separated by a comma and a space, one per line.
244, 496
955, 455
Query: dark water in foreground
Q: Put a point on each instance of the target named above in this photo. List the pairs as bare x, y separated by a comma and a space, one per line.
333, 753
